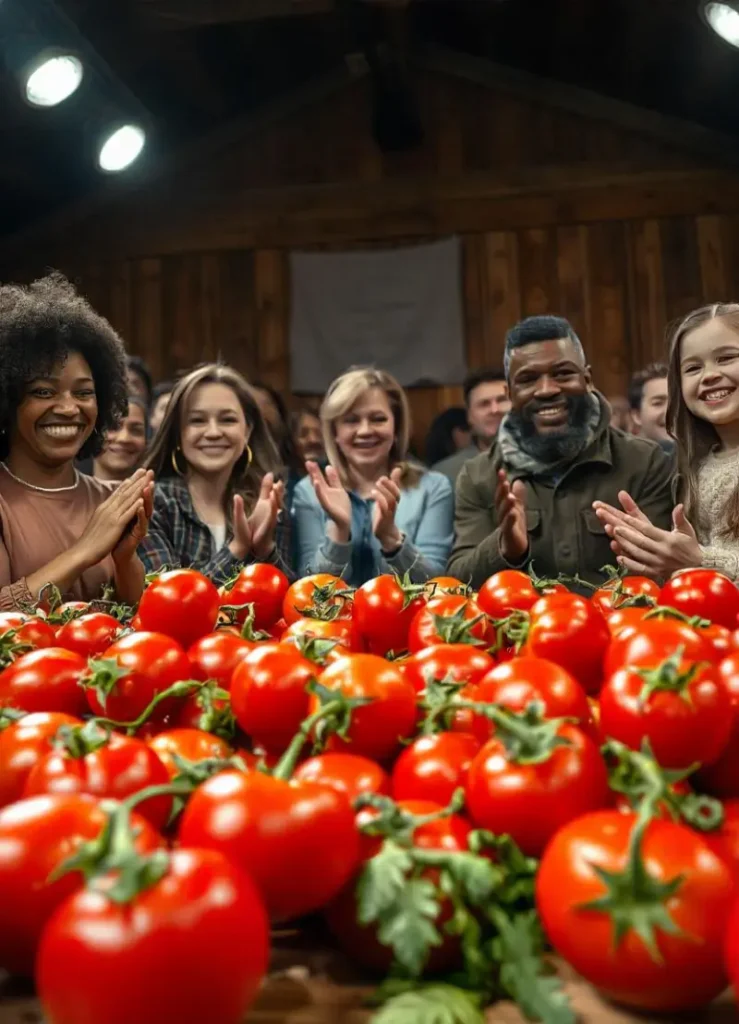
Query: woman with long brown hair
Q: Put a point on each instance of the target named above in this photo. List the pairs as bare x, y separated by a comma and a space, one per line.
217, 502
703, 417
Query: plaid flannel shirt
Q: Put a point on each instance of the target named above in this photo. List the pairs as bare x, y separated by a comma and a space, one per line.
178, 538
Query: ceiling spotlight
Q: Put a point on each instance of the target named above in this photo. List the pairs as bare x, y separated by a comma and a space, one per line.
121, 148
53, 80
723, 18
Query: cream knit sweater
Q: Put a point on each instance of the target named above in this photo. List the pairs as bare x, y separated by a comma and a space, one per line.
717, 478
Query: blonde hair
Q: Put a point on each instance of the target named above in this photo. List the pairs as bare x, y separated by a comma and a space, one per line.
343, 393
694, 436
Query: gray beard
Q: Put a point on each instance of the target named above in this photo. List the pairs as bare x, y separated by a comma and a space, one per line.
553, 448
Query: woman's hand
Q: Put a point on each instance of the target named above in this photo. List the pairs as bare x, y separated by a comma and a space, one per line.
108, 522
386, 496
644, 548
126, 547
255, 534
333, 499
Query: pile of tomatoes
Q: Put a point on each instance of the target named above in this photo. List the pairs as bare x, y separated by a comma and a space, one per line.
177, 777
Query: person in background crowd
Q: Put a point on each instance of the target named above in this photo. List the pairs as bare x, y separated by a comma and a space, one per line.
306, 430
703, 416
648, 402
217, 502
620, 413
448, 434
125, 446
529, 499
62, 388
139, 378
486, 398
372, 511
160, 396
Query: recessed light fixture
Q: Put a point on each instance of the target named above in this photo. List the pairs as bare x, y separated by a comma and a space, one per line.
723, 18
53, 80
121, 148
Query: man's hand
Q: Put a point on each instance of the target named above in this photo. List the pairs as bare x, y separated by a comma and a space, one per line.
510, 510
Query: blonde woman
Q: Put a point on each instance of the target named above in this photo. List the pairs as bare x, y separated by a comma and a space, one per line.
217, 503
372, 511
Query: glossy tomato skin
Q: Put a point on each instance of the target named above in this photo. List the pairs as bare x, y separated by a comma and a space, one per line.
378, 728
690, 973
152, 663
45, 680
262, 585
279, 833
204, 915
424, 631
570, 631
511, 590
614, 594
705, 593
120, 768
27, 629
649, 643
434, 767
89, 635
724, 841
462, 663
301, 595
349, 773
682, 729
36, 836
624, 618
383, 614
22, 745
343, 631
216, 655
182, 604
269, 694
531, 801
721, 777
191, 744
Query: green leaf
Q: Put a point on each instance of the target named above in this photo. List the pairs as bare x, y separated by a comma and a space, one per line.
409, 927
382, 881
477, 877
434, 1004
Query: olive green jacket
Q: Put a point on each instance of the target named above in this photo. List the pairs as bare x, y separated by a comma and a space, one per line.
565, 535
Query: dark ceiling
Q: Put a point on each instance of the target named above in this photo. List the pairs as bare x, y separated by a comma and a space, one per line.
187, 66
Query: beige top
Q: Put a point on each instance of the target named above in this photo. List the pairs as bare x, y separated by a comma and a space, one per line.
36, 527
717, 478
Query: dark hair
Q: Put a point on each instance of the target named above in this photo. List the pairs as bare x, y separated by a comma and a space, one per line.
539, 328
139, 401
135, 364
297, 415
284, 439
477, 377
439, 440
654, 371
40, 324
164, 387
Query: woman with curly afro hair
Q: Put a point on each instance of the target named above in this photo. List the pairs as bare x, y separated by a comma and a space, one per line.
62, 387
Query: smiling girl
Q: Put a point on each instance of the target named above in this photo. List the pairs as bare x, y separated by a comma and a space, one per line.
373, 511
125, 446
217, 503
62, 387
703, 417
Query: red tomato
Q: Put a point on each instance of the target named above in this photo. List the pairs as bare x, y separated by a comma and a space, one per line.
511, 590
434, 767
202, 711
378, 728
45, 680
570, 631
204, 915
182, 604
320, 594
461, 663
618, 592
190, 744
624, 618
269, 696
650, 642
450, 619
342, 631
720, 640
721, 777
116, 769
262, 585
705, 593
689, 971
89, 635
684, 726
148, 663
516, 684
280, 833
530, 799
22, 745
349, 773
19, 632
724, 841
438, 585
383, 611
216, 655
36, 837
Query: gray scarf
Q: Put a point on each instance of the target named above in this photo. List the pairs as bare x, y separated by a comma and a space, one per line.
512, 442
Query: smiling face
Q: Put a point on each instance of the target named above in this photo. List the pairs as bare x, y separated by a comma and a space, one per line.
487, 404
652, 414
546, 380
123, 447
308, 437
57, 414
366, 432
709, 372
214, 431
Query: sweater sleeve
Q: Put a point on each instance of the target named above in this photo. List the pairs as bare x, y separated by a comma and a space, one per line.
433, 541
315, 551
723, 560
476, 553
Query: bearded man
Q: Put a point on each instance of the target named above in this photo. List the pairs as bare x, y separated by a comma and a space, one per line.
529, 499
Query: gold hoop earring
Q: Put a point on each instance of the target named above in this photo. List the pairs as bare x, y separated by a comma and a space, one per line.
175, 467
247, 452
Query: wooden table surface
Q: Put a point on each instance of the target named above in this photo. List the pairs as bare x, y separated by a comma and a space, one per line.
315, 985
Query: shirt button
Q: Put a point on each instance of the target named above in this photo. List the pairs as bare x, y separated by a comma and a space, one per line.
565, 550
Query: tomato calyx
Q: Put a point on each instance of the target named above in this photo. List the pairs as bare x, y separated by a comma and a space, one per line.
8, 716
247, 630
456, 629
439, 700
668, 677
541, 584
11, 648
511, 631
327, 602
395, 822
410, 590
666, 611
177, 690
315, 648
219, 721
76, 741
528, 737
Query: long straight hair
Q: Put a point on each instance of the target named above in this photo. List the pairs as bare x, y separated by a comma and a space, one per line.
246, 476
695, 437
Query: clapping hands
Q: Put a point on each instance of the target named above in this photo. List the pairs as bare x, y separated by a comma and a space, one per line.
255, 533
642, 547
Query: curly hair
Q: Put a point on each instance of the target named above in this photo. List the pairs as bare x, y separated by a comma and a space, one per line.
40, 324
